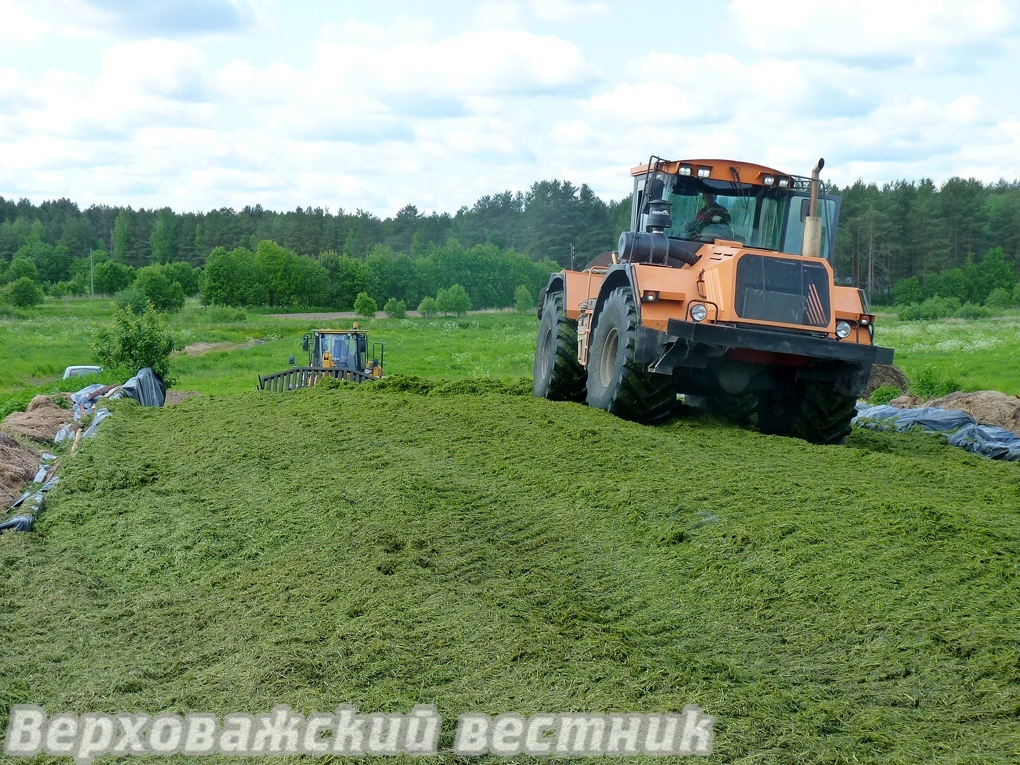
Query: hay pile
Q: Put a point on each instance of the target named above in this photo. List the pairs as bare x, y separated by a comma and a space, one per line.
18, 465
883, 375
39, 422
988, 407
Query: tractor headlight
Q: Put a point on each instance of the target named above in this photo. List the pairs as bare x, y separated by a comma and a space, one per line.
699, 312
842, 329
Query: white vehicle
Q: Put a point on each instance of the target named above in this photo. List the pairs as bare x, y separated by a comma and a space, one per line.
78, 371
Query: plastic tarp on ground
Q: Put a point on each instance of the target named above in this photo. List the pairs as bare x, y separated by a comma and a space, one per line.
959, 428
145, 388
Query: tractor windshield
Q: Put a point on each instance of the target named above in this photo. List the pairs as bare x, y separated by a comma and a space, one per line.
339, 348
703, 210
706, 210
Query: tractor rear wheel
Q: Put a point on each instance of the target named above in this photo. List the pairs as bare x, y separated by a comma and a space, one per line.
811, 410
825, 414
558, 376
616, 381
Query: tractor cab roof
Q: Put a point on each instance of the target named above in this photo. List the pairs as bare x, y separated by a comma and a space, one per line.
354, 331
719, 170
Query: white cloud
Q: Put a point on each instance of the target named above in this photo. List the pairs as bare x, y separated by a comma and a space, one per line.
20, 26
441, 111
875, 32
568, 11
156, 67
498, 15
401, 30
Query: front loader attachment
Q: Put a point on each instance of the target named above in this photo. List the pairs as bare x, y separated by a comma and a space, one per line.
305, 377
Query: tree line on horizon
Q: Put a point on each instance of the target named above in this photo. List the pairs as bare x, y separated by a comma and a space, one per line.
899, 231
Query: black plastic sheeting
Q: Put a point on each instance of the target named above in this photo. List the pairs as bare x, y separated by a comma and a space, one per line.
959, 428
145, 388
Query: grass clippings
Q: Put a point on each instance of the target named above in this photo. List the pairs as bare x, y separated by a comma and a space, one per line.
495, 553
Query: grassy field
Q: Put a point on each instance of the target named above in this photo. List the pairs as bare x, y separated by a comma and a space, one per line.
482, 550
38, 348
980, 354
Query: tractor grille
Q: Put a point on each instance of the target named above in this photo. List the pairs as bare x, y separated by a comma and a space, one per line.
782, 290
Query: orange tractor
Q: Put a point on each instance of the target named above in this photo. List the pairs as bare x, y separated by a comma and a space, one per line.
721, 290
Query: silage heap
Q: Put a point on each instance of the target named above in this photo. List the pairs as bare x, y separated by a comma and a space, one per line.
404, 542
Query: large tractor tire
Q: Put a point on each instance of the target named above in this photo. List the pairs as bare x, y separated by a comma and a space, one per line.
825, 414
559, 376
616, 381
813, 411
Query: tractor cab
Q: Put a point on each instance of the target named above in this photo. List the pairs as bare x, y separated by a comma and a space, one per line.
700, 201
345, 349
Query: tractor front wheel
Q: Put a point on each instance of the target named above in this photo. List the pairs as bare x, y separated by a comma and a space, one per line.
617, 382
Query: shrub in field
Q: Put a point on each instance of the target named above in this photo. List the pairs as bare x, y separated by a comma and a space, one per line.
23, 293
523, 301
999, 298
365, 306
428, 308
932, 382
135, 341
184, 274
395, 309
20, 268
884, 395
973, 311
165, 295
1016, 295
133, 299
454, 300
907, 291
111, 277
931, 309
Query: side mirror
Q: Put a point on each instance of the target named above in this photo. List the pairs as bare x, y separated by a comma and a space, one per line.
304, 343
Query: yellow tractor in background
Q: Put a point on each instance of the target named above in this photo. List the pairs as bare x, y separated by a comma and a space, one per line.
341, 354
723, 291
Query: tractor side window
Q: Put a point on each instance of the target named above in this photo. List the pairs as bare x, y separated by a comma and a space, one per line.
799, 210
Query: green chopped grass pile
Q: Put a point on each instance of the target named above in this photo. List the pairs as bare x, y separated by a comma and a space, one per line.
396, 544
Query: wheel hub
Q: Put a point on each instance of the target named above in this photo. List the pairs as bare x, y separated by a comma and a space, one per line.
607, 365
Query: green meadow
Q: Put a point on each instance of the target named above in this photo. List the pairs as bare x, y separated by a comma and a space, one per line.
981, 354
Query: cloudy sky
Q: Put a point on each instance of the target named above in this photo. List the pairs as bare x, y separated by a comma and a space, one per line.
200, 104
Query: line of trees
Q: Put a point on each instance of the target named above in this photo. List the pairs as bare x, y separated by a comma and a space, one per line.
919, 231
277, 277
313, 257
551, 220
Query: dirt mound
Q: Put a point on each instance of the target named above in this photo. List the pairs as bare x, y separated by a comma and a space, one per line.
988, 407
886, 375
18, 465
40, 422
